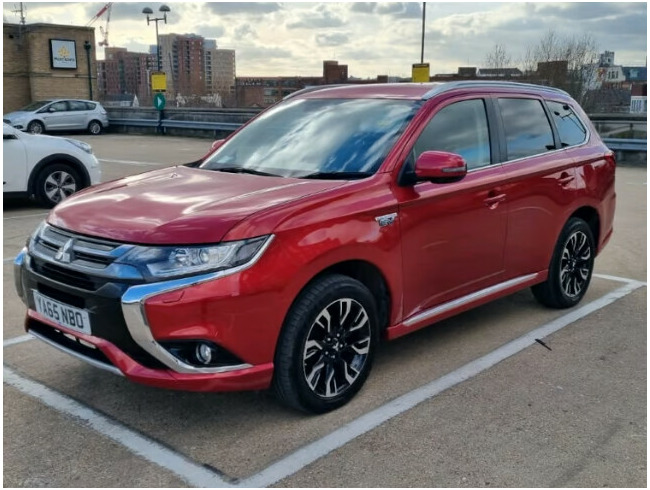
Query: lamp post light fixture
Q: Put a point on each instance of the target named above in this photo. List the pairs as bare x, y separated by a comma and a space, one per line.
147, 11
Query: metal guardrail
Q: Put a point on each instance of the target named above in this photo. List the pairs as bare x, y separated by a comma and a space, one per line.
176, 124
623, 144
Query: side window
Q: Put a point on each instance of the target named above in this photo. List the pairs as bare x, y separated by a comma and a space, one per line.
58, 107
459, 128
77, 105
89, 106
572, 131
528, 131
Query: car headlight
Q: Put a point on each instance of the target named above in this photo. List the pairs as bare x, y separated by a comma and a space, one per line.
177, 261
81, 145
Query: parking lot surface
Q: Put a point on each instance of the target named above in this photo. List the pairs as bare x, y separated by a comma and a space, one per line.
474, 401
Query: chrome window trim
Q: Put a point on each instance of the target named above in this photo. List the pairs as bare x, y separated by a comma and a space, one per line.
136, 319
443, 308
81, 357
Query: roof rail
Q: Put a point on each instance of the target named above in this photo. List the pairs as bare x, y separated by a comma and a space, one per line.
312, 89
445, 87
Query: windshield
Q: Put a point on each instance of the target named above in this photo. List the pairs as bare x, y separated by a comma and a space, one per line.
317, 138
34, 106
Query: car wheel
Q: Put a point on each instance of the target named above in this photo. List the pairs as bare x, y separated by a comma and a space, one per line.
571, 267
94, 127
35, 127
55, 183
326, 347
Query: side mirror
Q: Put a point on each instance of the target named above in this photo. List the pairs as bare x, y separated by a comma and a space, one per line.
215, 146
440, 167
9, 133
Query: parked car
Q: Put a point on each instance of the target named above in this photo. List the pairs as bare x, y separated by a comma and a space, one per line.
48, 168
59, 115
339, 216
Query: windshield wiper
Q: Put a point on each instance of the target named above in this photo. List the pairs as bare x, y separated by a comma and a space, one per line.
244, 170
335, 175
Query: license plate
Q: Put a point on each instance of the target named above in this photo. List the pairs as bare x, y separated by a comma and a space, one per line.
62, 314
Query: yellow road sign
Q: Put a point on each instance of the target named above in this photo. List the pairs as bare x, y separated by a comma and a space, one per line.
420, 73
159, 81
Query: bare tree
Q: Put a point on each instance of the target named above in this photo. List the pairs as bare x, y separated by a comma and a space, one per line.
567, 62
498, 59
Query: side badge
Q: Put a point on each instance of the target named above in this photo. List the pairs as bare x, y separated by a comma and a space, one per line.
387, 219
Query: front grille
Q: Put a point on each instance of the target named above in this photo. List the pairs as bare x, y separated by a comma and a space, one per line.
65, 276
54, 244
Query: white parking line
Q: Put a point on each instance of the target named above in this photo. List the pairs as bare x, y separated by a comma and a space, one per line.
192, 473
128, 162
27, 215
198, 475
17, 340
322, 447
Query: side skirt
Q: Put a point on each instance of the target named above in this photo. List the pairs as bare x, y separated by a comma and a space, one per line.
451, 308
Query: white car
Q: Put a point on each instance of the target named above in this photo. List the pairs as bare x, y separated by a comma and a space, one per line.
48, 168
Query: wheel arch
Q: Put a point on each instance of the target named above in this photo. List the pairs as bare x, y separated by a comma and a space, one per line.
590, 215
367, 274
53, 159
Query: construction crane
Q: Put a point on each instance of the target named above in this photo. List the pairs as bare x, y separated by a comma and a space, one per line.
106, 9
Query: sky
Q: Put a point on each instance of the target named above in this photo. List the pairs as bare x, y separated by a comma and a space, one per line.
275, 39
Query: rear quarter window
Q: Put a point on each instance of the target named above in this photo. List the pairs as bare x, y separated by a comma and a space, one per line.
569, 126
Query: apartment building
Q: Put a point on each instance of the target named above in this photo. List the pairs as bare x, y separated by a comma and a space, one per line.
124, 72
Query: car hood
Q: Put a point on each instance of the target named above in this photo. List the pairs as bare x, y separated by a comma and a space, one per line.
17, 115
177, 205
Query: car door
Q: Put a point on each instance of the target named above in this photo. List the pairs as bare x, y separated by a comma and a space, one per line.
453, 234
540, 183
14, 158
57, 116
78, 114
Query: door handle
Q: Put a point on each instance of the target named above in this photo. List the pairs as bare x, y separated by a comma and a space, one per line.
493, 199
565, 179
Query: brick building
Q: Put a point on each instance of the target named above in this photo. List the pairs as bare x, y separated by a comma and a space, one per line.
183, 61
125, 73
42, 61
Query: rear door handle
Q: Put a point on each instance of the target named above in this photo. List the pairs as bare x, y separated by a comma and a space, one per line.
565, 179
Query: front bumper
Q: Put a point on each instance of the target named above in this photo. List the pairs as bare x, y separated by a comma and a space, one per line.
122, 340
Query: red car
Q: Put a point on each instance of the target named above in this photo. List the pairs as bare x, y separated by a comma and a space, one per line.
339, 216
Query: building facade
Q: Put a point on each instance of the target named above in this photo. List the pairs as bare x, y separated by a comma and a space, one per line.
220, 72
43, 61
125, 73
183, 60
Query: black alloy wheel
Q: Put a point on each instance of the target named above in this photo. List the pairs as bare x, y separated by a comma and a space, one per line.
326, 347
571, 267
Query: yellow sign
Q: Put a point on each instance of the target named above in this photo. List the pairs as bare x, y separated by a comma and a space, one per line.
420, 73
159, 81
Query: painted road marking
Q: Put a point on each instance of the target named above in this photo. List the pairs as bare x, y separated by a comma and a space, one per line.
192, 473
130, 162
198, 475
17, 340
28, 215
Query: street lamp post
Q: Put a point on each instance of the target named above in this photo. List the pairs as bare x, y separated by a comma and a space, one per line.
87, 47
147, 11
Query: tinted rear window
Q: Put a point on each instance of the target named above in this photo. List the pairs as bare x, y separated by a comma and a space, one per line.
528, 131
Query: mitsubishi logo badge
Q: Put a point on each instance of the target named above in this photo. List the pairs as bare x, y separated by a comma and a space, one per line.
66, 253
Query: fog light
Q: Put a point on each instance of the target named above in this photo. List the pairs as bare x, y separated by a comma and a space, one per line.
203, 353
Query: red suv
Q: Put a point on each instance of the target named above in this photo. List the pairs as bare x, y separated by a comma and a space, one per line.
339, 216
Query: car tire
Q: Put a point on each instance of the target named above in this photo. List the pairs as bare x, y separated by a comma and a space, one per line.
55, 183
327, 345
35, 127
571, 267
95, 127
